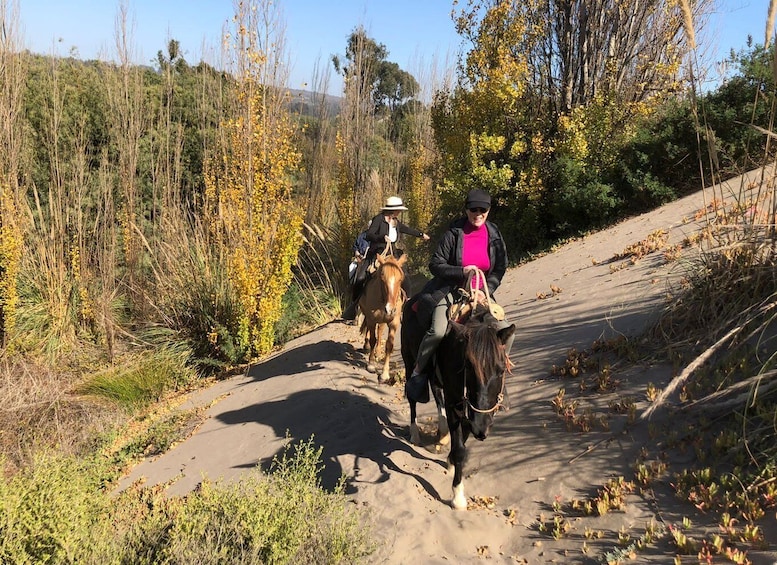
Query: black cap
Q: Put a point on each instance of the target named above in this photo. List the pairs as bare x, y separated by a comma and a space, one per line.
477, 198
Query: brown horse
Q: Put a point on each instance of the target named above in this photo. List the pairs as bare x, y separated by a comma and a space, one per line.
381, 303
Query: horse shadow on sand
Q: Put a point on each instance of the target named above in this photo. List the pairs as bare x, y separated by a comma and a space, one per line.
348, 426
312, 357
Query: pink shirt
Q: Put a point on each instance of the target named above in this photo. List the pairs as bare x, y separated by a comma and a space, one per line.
474, 249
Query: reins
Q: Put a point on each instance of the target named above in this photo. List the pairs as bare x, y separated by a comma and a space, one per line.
388, 250
472, 282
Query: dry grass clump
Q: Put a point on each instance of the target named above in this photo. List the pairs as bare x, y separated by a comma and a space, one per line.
38, 411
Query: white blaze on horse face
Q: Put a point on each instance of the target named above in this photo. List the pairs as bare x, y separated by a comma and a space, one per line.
391, 296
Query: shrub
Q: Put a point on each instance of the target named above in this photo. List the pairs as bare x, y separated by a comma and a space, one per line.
142, 378
50, 512
59, 511
282, 517
579, 201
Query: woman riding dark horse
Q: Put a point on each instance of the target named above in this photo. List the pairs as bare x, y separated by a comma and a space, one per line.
472, 243
468, 384
468, 360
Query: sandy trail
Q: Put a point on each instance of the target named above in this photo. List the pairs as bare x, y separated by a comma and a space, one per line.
317, 385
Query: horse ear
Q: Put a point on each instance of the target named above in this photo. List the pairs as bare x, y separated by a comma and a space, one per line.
506, 333
402, 260
380, 258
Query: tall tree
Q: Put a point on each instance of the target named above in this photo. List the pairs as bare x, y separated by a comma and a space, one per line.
548, 94
576, 50
357, 123
373, 86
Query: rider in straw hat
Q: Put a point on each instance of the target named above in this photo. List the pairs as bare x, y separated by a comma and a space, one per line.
385, 229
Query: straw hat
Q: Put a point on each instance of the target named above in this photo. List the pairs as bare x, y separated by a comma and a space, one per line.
394, 203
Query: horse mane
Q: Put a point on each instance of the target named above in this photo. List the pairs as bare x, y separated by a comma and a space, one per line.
483, 351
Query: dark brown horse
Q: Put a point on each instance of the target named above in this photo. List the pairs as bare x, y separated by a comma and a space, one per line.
381, 303
469, 381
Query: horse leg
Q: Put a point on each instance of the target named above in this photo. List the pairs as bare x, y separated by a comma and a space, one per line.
386, 375
456, 463
372, 339
378, 336
415, 435
443, 433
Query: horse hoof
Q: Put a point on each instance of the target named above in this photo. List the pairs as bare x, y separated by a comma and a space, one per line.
415, 436
459, 501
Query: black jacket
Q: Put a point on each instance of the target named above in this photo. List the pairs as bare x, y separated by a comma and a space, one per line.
379, 229
446, 266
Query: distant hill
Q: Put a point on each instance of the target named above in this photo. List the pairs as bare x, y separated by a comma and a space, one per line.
308, 103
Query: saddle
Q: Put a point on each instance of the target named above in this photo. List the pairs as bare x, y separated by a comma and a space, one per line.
462, 305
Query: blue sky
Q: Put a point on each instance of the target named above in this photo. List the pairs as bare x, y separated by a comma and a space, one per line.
419, 34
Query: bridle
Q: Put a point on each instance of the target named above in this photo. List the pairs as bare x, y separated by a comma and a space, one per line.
388, 252
499, 397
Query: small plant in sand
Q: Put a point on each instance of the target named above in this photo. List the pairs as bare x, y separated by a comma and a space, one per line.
603, 378
560, 527
685, 545
612, 496
557, 527
629, 548
564, 408
673, 253
648, 471
652, 392
591, 534
572, 365
625, 405
653, 242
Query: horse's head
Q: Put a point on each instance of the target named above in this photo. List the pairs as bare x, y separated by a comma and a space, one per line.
486, 363
391, 276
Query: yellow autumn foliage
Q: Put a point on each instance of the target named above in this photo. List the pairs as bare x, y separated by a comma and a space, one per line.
593, 134
10, 256
256, 220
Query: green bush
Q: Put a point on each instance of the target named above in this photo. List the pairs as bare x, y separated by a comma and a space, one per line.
205, 309
143, 378
53, 512
284, 517
303, 309
580, 201
59, 510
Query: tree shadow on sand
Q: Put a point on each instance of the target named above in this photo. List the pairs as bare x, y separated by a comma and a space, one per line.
345, 425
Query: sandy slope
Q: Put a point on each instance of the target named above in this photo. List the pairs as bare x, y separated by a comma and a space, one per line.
317, 386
